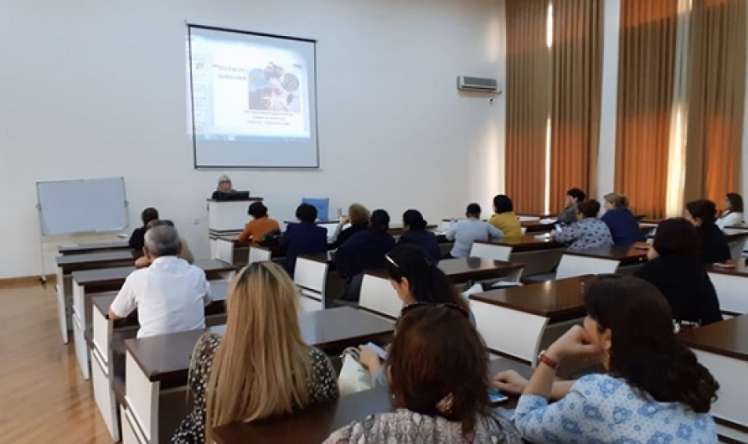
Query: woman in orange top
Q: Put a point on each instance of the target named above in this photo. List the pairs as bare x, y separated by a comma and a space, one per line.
260, 226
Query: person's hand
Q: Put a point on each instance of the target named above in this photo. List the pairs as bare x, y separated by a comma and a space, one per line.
344, 220
574, 343
369, 358
509, 381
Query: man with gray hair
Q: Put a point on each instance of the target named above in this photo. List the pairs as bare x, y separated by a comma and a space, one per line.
170, 294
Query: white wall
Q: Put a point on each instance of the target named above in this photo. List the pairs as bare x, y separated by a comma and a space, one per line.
95, 89
609, 99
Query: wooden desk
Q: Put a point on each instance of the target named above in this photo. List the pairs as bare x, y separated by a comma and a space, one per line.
735, 234
89, 282
530, 242
122, 244
155, 364
535, 314
722, 347
476, 269
83, 261
314, 424
629, 255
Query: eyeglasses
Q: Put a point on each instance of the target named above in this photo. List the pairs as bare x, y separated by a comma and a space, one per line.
424, 305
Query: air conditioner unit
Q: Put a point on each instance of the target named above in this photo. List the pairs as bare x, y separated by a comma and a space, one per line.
478, 84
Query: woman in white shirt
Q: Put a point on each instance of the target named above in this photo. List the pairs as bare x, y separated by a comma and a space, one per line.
733, 213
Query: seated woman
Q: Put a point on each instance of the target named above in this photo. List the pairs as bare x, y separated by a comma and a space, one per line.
622, 224
416, 234
260, 367
588, 232
733, 213
365, 250
304, 237
654, 390
417, 281
358, 217
714, 247
676, 269
440, 397
223, 188
137, 239
569, 214
504, 218
260, 226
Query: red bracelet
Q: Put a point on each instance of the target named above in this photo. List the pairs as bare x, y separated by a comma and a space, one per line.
543, 358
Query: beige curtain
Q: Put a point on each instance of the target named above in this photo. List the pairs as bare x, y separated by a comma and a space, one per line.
576, 89
527, 103
717, 71
645, 89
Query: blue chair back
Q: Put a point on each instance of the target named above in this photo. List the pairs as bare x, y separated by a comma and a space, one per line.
322, 204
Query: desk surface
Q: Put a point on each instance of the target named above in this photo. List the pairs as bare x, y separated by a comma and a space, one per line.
728, 338
121, 244
734, 234
740, 269
167, 357
103, 276
316, 423
529, 242
559, 300
628, 255
98, 257
474, 268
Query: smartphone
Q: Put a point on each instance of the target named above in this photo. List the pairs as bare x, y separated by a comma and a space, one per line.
496, 396
378, 350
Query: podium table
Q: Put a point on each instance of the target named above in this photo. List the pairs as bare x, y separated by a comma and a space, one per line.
226, 218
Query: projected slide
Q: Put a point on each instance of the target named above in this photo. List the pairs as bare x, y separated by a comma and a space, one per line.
252, 99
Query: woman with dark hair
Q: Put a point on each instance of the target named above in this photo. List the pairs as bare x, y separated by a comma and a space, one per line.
365, 250
417, 281
588, 232
504, 218
574, 197
733, 213
416, 234
675, 268
654, 389
304, 237
261, 224
440, 397
714, 248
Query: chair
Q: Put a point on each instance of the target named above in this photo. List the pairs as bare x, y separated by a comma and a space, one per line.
731, 293
311, 277
378, 296
224, 250
322, 204
573, 265
487, 250
258, 254
736, 248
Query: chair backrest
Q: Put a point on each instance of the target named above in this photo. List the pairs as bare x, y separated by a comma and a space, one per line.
731, 292
311, 277
225, 250
330, 227
322, 204
508, 331
736, 248
573, 265
378, 296
258, 254
487, 250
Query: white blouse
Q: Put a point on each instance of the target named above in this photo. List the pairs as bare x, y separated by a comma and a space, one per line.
729, 220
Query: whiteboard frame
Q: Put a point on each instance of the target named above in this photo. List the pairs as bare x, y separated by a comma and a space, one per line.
114, 230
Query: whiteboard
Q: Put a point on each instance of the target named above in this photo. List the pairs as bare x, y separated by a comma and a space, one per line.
82, 206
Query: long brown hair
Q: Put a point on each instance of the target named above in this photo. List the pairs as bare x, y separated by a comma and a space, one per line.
262, 365
437, 354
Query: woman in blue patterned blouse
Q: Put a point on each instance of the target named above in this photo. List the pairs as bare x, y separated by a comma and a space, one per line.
654, 391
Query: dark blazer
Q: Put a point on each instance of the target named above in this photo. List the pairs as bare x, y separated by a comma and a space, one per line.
137, 239
623, 226
300, 239
686, 285
347, 234
714, 244
424, 239
363, 251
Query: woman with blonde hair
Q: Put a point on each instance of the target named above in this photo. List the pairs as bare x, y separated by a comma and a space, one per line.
358, 218
622, 224
261, 367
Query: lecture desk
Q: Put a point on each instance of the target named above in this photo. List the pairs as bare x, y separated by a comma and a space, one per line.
157, 364
627, 255
106, 341
94, 247
89, 282
535, 314
67, 264
315, 423
722, 348
462, 270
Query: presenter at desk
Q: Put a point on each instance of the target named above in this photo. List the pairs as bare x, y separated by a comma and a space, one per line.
224, 188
